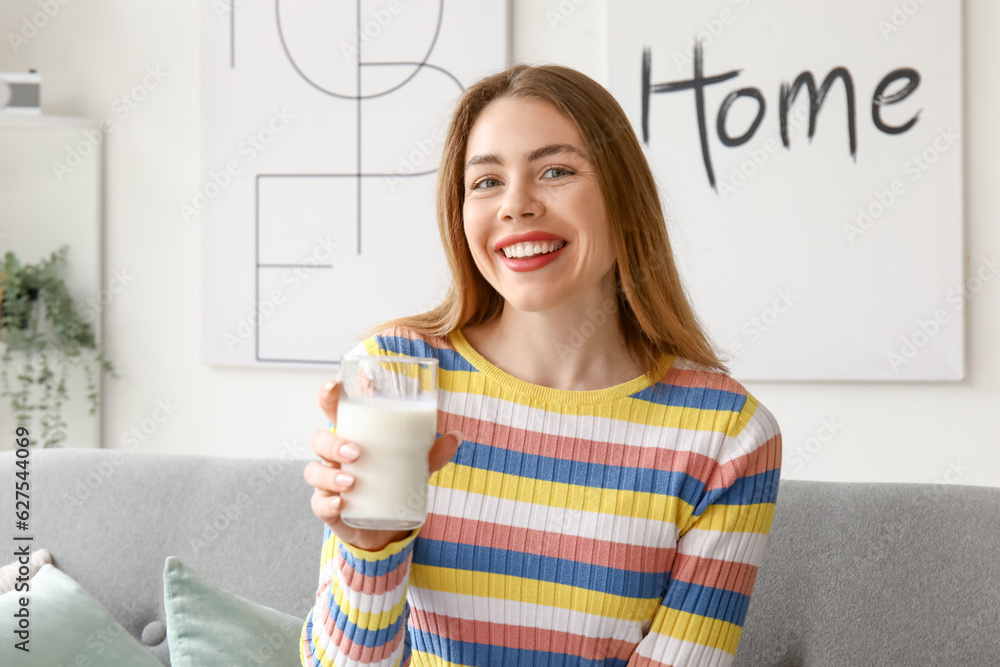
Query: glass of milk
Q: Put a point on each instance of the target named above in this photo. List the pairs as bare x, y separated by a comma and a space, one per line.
388, 407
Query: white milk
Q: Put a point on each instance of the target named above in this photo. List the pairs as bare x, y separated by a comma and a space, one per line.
395, 436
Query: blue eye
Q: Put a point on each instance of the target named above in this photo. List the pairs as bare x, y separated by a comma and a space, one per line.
562, 170
475, 186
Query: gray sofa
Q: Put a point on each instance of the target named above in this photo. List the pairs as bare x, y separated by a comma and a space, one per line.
855, 574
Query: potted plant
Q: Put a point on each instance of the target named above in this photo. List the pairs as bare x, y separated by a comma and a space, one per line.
39, 323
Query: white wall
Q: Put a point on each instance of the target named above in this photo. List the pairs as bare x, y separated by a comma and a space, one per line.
92, 52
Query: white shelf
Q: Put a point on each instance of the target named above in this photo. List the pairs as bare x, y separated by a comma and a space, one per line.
42, 210
44, 120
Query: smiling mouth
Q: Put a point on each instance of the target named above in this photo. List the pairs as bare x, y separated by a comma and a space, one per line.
530, 249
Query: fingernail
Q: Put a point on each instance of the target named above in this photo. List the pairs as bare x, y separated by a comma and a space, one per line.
328, 387
344, 479
348, 451
458, 435
335, 502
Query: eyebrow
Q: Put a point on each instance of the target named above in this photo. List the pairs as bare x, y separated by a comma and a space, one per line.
537, 154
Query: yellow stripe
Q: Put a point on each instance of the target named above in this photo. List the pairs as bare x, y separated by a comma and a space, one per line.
390, 549
371, 346
318, 651
753, 518
626, 409
697, 629
749, 409
325, 661
303, 637
365, 620
636, 504
518, 589
330, 549
320, 654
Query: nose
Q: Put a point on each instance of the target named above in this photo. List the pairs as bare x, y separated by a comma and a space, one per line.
520, 200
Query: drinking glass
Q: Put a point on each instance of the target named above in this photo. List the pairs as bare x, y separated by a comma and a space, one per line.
388, 407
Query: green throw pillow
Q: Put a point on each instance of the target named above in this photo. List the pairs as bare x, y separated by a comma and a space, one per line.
208, 626
67, 626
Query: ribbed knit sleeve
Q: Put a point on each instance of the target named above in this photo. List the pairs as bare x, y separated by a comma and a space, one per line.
359, 617
700, 619
360, 613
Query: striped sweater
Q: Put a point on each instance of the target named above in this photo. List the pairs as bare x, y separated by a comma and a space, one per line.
618, 526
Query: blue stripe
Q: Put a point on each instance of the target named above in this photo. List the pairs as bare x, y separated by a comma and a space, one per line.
702, 398
309, 638
759, 488
361, 637
469, 557
448, 360
375, 568
487, 655
706, 601
677, 484
749, 490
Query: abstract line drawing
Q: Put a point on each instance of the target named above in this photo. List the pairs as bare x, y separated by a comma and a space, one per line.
359, 99
345, 171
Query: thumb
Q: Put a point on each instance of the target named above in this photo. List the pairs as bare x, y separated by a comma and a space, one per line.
329, 395
444, 450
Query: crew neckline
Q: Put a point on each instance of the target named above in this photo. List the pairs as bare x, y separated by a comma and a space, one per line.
551, 394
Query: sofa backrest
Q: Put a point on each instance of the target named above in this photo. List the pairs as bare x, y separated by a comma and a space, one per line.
886, 574
854, 574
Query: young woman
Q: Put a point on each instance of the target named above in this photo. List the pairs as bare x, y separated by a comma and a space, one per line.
603, 490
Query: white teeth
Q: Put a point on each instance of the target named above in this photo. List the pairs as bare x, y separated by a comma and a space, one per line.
531, 248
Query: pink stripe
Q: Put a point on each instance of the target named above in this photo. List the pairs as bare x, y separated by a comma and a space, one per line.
520, 637
345, 646
371, 585
699, 379
642, 661
402, 331
765, 457
578, 449
306, 651
604, 553
715, 573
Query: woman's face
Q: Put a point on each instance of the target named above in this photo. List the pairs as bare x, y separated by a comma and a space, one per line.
528, 179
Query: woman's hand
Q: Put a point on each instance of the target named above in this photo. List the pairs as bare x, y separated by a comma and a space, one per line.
323, 475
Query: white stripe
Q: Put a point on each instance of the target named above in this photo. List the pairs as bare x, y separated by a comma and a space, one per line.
321, 638
599, 429
673, 651
735, 547
525, 614
533, 516
341, 660
358, 599
760, 428
366, 603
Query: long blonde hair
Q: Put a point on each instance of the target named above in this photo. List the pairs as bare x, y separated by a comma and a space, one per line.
654, 311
